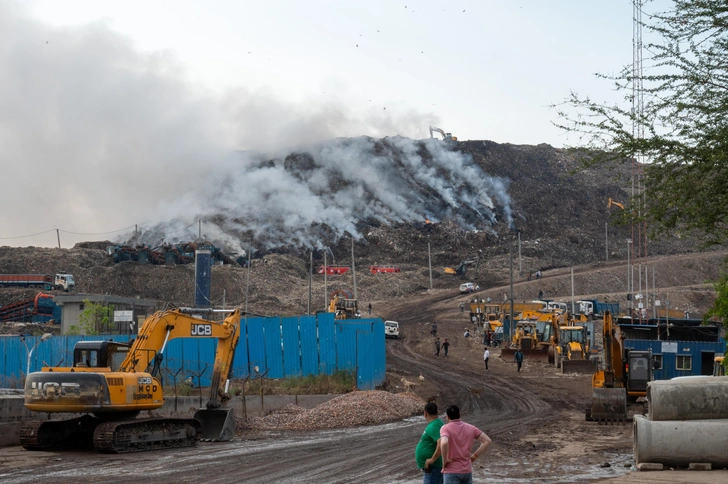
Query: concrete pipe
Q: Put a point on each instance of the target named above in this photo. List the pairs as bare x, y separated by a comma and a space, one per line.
681, 443
688, 399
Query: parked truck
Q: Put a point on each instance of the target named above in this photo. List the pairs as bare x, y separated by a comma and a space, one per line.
595, 309
48, 282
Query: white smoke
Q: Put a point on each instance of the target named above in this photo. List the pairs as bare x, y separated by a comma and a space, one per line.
316, 195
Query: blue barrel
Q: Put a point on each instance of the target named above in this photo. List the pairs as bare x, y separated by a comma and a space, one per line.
203, 272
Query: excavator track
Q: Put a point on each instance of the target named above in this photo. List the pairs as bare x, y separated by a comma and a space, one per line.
146, 434
75, 433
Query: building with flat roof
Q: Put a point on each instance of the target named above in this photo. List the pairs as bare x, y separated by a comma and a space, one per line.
73, 305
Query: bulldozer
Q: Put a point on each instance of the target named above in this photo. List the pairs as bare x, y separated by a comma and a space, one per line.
534, 335
622, 381
343, 305
110, 383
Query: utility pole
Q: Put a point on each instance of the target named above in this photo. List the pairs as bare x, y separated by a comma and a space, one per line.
520, 270
572, 291
199, 229
326, 273
429, 259
247, 282
606, 241
310, 279
510, 256
58, 234
629, 276
353, 266
654, 294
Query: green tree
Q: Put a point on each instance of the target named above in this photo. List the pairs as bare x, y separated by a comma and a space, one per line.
95, 319
682, 131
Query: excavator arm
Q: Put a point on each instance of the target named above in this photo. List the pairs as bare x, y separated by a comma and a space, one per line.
163, 326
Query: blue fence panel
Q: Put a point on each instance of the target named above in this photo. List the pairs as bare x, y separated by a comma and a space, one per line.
327, 343
291, 347
309, 345
273, 347
256, 344
240, 367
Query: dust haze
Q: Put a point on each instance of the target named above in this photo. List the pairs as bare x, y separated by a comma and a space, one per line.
97, 135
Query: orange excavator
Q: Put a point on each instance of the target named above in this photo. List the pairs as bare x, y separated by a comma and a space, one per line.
111, 382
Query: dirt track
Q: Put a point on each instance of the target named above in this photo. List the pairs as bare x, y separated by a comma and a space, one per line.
535, 420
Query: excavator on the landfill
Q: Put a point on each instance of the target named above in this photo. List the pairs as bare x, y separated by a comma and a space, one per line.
623, 379
343, 305
612, 202
111, 382
445, 136
461, 268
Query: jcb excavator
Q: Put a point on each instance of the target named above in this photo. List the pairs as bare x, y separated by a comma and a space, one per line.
624, 377
111, 382
571, 350
461, 268
445, 136
534, 335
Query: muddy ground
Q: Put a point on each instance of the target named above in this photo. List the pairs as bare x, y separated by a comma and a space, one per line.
534, 418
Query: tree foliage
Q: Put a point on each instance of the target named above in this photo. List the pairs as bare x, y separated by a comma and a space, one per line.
95, 319
682, 130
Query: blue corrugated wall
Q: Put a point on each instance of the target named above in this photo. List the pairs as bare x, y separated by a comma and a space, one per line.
283, 347
694, 349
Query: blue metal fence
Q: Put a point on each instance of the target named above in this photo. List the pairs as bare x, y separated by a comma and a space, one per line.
282, 347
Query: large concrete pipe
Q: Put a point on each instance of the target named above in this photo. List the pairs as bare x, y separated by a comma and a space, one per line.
681, 443
688, 399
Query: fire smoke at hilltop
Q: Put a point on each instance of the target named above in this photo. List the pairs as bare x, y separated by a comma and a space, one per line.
313, 197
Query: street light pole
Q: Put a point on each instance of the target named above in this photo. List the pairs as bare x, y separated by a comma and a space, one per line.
629, 275
30, 351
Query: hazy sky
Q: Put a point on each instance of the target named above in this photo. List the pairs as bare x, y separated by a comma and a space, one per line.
108, 108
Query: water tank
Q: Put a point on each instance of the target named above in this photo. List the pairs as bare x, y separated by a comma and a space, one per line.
203, 270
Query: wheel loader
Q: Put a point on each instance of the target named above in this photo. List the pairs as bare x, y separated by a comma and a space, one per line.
622, 381
570, 350
533, 334
110, 383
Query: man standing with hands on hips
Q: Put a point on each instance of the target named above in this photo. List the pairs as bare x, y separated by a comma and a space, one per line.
429, 446
456, 440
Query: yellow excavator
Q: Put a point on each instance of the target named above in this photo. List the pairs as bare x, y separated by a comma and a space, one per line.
111, 382
571, 350
623, 379
533, 334
611, 202
445, 136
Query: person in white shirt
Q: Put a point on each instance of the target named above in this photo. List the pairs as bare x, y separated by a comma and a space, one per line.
486, 357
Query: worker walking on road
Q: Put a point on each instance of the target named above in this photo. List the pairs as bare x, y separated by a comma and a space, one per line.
486, 357
428, 446
434, 329
437, 347
518, 357
456, 440
462, 307
445, 346
370, 309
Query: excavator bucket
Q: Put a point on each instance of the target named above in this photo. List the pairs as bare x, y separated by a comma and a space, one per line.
217, 424
529, 354
608, 405
579, 366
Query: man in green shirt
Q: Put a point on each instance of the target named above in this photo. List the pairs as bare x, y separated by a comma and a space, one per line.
429, 445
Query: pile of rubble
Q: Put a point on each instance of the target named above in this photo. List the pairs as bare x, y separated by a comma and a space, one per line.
349, 410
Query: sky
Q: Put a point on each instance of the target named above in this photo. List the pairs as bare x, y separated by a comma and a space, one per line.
112, 111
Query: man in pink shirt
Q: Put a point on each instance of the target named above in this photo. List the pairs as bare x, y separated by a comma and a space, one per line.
456, 440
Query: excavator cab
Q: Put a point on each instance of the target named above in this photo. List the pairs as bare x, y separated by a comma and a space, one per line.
99, 354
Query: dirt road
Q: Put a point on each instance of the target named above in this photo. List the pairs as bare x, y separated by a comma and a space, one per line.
534, 418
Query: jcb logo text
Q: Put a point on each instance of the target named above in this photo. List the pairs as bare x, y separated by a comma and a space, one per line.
201, 330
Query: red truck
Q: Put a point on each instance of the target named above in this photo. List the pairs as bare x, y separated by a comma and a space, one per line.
48, 282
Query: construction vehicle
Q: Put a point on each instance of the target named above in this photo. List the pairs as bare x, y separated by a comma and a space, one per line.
344, 305
571, 351
111, 382
622, 380
445, 136
461, 268
40, 309
534, 334
61, 282
595, 308
384, 269
333, 270
612, 202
